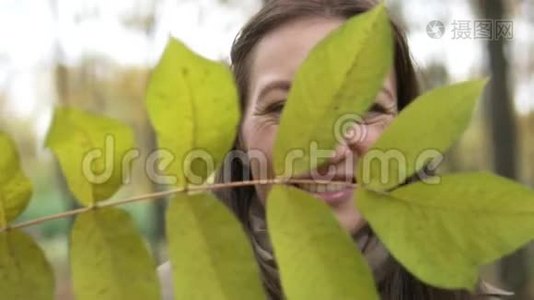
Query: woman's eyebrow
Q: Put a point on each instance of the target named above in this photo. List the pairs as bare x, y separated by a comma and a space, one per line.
274, 85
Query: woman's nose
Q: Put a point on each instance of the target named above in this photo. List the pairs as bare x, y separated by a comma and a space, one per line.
351, 130
351, 134
355, 136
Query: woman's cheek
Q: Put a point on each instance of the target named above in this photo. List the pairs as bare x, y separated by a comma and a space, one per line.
263, 141
259, 143
372, 135
374, 132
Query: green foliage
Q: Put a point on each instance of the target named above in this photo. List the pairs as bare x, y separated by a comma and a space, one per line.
15, 188
109, 259
434, 121
443, 233
75, 134
210, 255
193, 105
24, 271
342, 75
317, 259
309, 244
198, 225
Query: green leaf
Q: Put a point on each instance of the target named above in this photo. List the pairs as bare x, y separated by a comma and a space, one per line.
210, 255
316, 257
109, 259
15, 188
24, 272
91, 151
429, 125
193, 105
442, 233
340, 77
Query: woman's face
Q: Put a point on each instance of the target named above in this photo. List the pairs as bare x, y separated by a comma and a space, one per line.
273, 64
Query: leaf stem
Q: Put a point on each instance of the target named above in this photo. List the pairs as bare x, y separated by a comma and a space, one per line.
158, 195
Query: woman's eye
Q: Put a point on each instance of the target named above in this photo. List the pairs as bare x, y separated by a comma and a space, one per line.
375, 113
276, 107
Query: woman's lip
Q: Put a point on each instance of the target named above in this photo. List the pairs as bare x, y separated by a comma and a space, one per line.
320, 178
334, 197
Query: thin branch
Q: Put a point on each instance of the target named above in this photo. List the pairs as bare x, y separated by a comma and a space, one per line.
158, 195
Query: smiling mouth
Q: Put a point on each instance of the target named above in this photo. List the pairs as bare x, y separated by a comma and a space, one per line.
332, 193
321, 187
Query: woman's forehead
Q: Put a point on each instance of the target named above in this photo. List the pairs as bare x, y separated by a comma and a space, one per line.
279, 53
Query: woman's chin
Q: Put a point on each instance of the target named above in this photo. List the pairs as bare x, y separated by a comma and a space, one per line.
349, 218
342, 204
336, 198
332, 194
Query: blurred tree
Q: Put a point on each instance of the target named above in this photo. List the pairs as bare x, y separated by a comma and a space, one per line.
61, 85
526, 127
99, 85
143, 19
2, 108
502, 124
435, 74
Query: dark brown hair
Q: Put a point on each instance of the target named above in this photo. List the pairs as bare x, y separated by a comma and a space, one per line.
398, 283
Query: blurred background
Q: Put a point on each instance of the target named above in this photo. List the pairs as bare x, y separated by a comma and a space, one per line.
97, 55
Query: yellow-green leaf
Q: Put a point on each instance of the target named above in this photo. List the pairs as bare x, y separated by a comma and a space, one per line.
15, 188
428, 126
109, 260
210, 255
442, 233
91, 151
317, 259
24, 272
340, 78
193, 105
